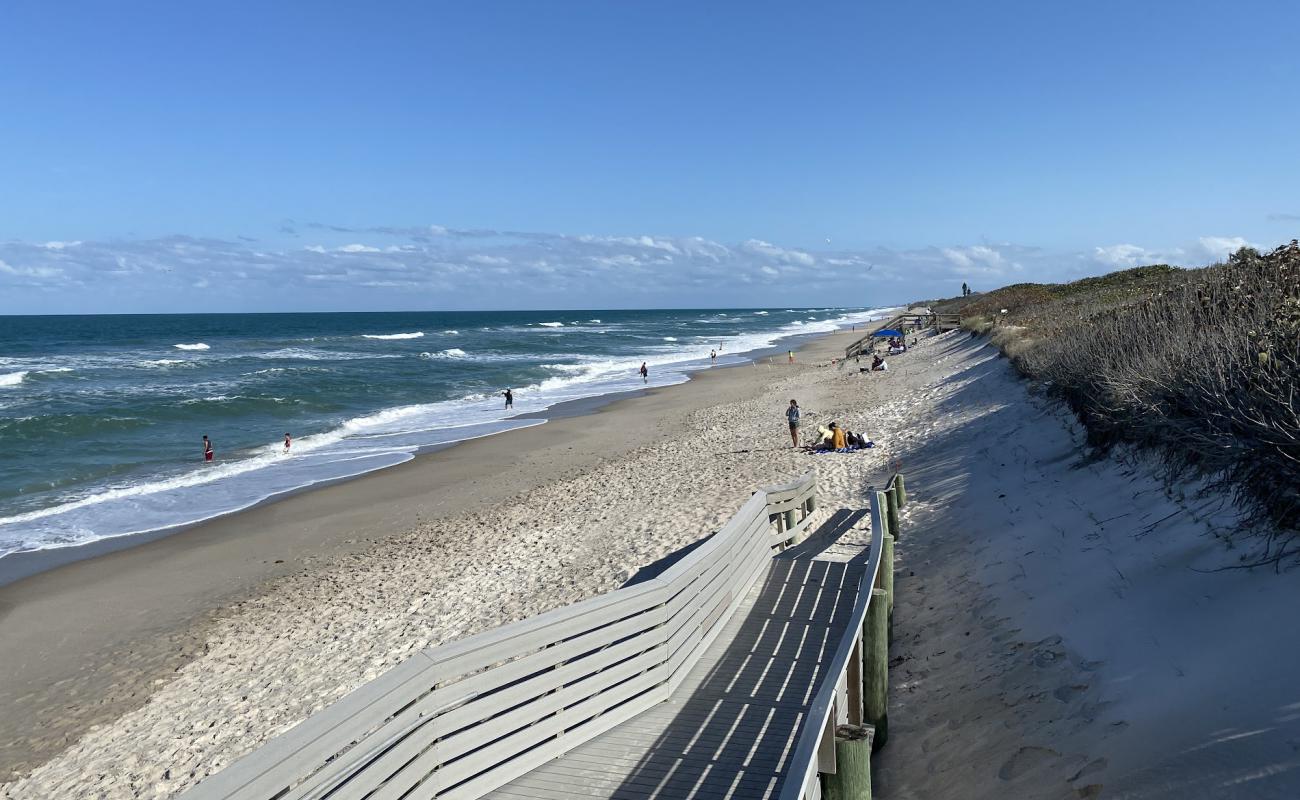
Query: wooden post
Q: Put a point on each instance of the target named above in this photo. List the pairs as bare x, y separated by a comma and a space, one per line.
854, 679
887, 579
852, 777
812, 503
902, 489
875, 666
891, 510
789, 520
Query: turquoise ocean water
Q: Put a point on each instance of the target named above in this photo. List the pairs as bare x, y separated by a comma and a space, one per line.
101, 417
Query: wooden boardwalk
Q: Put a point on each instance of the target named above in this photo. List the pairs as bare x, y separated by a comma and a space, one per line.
731, 727
723, 672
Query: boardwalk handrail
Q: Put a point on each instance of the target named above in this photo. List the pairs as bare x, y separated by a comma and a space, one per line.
940, 322
814, 750
461, 719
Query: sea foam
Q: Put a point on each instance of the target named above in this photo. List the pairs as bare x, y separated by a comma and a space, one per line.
451, 352
195, 346
12, 378
415, 335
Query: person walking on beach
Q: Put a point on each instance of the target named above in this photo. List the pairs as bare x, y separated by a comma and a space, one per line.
792, 416
645, 373
208, 454
287, 441
791, 354
510, 398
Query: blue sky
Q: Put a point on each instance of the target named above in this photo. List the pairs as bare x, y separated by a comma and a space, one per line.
241, 156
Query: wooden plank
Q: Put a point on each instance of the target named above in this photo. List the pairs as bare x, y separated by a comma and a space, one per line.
708, 584
288, 758
517, 727
483, 649
522, 712
482, 784
464, 691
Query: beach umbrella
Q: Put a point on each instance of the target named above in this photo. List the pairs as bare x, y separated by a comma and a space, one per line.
888, 332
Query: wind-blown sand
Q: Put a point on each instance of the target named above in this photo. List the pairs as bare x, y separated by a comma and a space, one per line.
1047, 643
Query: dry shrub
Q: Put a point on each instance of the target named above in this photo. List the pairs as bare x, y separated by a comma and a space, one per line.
1205, 370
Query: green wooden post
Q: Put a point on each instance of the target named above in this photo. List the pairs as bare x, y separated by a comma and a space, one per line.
852, 777
902, 489
875, 666
887, 579
891, 506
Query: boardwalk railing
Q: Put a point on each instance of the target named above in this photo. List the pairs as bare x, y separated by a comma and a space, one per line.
857, 695
461, 719
905, 323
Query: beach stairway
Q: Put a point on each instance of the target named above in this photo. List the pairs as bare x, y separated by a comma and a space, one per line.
727, 674
906, 323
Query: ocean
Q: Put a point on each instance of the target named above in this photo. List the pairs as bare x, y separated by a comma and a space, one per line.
101, 417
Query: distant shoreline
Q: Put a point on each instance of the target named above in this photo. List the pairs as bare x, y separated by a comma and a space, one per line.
23, 564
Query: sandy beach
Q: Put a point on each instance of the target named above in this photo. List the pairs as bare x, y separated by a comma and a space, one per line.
451, 543
1038, 649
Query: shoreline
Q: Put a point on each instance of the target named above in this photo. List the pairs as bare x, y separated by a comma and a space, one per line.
17, 566
152, 603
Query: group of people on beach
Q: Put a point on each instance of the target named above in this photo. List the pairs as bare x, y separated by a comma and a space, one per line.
832, 438
210, 453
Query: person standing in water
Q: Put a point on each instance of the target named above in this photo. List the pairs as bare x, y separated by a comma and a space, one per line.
645, 373
792, 416
510, 398
713, 356
287, 441
208, 454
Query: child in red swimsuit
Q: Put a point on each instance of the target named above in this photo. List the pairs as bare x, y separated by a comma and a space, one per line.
207, 449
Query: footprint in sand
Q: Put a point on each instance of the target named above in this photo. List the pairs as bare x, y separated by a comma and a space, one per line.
1026, 760
1067, 693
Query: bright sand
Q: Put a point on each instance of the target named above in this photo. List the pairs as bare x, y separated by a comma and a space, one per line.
1046, 644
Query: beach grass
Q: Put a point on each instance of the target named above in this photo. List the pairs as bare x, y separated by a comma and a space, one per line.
1200, 366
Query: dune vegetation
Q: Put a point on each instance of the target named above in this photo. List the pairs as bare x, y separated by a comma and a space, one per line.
1199, 366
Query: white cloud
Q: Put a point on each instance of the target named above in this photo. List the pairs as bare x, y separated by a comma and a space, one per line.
770, 251
59, 245
1220, 247
1124, 255
477, 269
30, 272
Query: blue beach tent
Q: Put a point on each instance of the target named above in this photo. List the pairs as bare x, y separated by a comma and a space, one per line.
888, 332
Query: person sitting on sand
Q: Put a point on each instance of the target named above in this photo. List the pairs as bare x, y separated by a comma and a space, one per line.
838, 441
822, 442
878, 364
